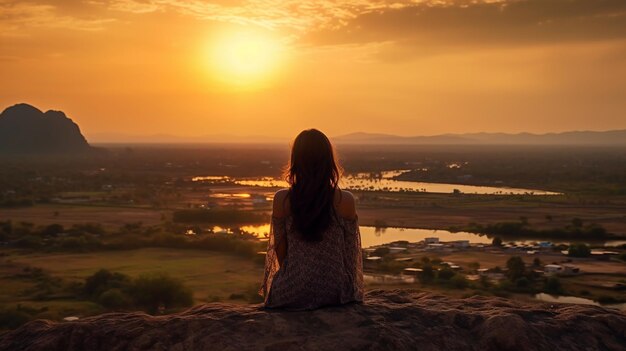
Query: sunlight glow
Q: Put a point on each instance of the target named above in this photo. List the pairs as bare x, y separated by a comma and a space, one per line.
246, 59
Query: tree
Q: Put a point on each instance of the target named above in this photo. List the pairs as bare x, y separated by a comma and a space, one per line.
381, 251
114, 299
159, 290
553, 286
427, 274
579, 250
497, 241
104, 280
516, 268
446, 274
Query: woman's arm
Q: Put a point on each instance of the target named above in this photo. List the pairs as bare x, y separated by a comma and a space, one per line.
279, 210
347, 205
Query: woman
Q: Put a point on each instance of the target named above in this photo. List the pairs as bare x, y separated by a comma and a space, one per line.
314, 251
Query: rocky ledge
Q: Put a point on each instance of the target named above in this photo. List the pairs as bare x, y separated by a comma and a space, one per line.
388, 320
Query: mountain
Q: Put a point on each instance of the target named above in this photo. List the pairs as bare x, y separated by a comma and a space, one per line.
110, 137
26, 129
387, 320
604, 138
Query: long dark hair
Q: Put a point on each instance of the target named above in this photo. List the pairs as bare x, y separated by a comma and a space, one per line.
313, 176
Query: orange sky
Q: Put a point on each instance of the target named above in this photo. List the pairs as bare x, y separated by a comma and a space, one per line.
403, 67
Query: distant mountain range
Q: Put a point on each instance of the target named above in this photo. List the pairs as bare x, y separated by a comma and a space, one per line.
607, 138
26, 129
113, 138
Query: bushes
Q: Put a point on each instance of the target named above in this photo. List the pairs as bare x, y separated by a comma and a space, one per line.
104, 280
150, 292
579, 250
114, 299
518, 229
159, 290
516, 268
13, 318
552, 285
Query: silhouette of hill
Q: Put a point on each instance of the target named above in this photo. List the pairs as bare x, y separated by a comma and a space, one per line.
607, 138
26, 129
388, 320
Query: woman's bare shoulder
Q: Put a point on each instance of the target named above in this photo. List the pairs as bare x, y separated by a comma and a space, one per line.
346, 205
280, 206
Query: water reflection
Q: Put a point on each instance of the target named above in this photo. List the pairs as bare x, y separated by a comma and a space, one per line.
383, 181
374, 236
260, 231
576, 300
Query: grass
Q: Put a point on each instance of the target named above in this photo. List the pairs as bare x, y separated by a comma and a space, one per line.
210, 275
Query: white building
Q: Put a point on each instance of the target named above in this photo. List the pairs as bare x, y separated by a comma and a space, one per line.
552, 269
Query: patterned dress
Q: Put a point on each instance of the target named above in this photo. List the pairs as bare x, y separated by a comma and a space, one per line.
314, 274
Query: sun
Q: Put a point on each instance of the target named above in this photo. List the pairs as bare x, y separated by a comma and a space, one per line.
246, 59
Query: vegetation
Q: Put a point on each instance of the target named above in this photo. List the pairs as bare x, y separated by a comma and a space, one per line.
516, 268
579, 250
219, 216
91, 237
524, 229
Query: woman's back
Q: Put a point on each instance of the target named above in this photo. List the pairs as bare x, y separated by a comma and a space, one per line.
305, 274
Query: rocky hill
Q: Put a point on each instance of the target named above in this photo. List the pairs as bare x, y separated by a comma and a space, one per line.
26, 129
388, 320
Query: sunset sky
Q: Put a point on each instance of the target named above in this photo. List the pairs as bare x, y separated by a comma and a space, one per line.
274, 67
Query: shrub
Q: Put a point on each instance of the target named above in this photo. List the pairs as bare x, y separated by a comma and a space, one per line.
114, 299
459, 281
579, 250
104, 280
427, 274
13, 318
381, 251
445, 274
553, 286
522, 283
159, 290
516, 268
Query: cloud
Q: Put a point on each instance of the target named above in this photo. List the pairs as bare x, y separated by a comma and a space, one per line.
436, 23
509, 22
17, 15
291, 15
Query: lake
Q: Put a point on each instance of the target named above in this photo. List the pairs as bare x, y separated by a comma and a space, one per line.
373, 236
381, 181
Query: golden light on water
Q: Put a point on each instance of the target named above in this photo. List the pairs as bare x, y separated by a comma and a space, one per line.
246, 59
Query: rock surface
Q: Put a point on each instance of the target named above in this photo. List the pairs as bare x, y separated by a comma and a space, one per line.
388, 320
26, 129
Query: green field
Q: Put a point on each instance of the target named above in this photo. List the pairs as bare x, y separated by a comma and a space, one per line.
212, 276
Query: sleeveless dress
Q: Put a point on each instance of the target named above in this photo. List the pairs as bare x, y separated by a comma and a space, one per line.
314, 274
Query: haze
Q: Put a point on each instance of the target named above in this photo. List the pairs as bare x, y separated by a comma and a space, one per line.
273, 67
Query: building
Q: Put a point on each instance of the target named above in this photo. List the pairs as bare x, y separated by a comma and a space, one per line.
551, 269
431, 240
460, 244
434, 247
